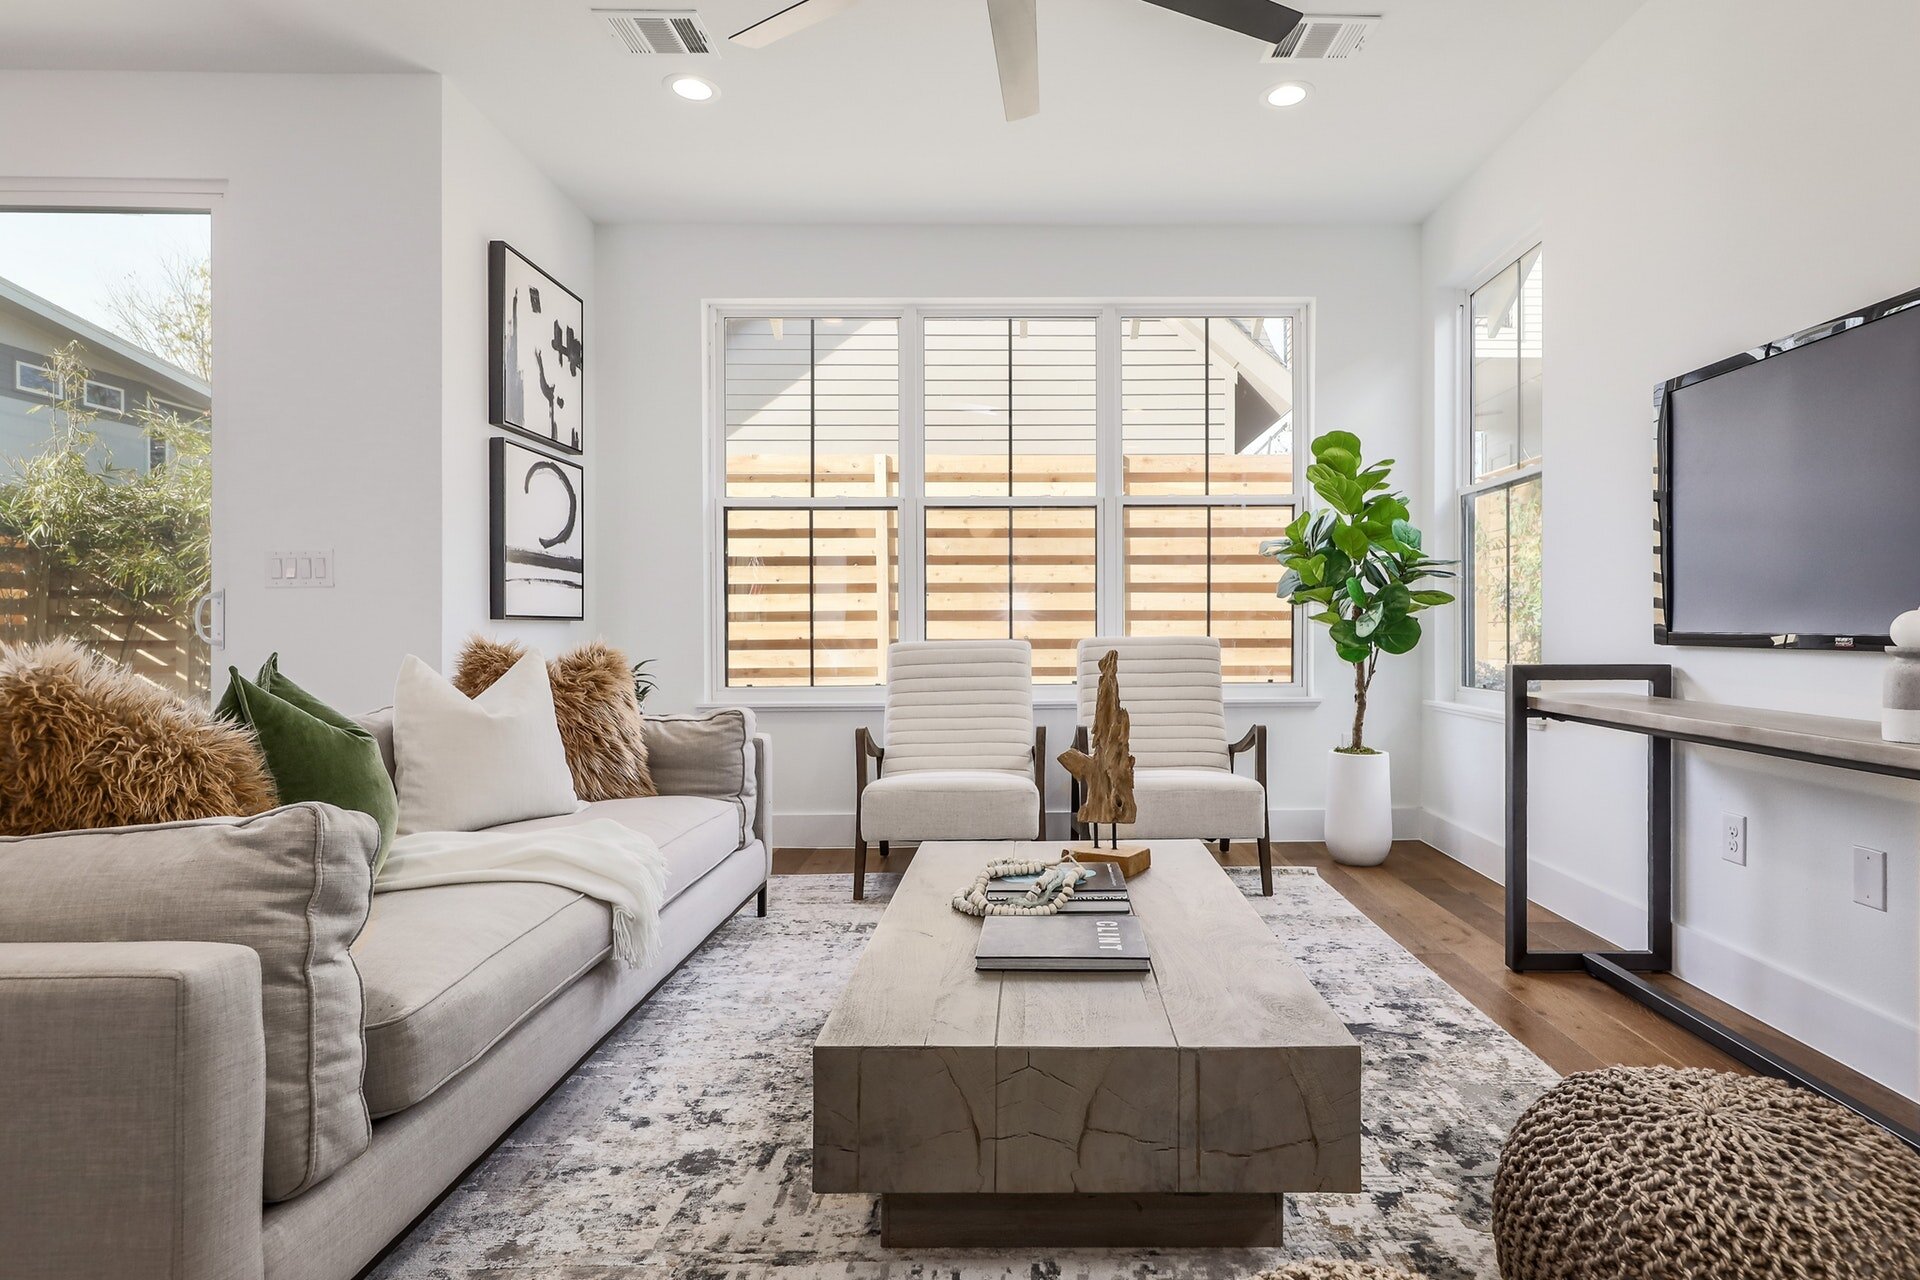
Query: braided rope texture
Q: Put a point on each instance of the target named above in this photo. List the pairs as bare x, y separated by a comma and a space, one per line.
1652, 1173
1334, 1269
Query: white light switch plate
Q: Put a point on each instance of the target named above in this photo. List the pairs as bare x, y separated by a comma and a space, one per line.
300, 568
1870, 877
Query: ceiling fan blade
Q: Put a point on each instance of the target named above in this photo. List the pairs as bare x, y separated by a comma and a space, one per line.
1016, 49
1261, 19
795, 17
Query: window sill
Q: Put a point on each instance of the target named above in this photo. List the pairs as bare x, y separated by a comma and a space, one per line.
1065, 699
1470, 710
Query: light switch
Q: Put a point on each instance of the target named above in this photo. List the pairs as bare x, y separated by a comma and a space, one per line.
300, 568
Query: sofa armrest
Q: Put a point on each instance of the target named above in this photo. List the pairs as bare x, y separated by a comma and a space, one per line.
762, 775
132, 1108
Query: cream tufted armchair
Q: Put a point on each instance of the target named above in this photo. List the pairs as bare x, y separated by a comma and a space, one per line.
1184, 785
959, 757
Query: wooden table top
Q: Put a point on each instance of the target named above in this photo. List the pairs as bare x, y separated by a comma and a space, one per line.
1220, 979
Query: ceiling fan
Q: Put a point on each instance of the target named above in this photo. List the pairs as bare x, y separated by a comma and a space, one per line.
1016, 42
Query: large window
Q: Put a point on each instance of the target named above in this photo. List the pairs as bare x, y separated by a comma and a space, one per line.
1500, 503
106, 444
962, 473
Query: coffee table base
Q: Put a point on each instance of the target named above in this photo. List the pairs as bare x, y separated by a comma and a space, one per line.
1080, 1220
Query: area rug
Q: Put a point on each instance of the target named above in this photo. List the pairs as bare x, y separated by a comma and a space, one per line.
681, 1150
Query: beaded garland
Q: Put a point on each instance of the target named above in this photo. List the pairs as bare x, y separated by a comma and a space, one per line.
1053, 890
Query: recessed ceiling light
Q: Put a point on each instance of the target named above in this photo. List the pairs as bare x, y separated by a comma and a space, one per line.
1290, 94
692, 88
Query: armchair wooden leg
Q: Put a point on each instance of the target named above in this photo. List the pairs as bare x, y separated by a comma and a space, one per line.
762, 900
884, 851
859, 867
1226, 847
1266, 866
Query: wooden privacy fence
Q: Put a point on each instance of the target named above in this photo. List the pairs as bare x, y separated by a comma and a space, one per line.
813, 594
40, 600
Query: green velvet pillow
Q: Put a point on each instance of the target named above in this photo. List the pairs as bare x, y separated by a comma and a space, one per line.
312, 751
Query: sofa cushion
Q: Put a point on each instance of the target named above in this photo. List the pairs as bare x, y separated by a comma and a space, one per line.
450, 970
292, 884
694, 833
708, 754
961, 804
1200, 804
462, 764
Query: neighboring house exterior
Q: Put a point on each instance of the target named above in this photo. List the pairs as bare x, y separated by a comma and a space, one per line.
123, 379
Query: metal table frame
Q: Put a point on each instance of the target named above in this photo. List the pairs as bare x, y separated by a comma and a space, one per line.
1622, 969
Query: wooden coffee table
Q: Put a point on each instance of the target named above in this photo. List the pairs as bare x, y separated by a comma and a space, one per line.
1083, 1109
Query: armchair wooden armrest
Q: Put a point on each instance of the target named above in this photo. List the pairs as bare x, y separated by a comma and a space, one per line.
1040, 777
1256, 738
1074, 832
864, 748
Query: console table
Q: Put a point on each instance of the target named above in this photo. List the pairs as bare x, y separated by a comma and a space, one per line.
1664, 720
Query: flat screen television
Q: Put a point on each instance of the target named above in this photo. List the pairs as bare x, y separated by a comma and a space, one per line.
1787, 492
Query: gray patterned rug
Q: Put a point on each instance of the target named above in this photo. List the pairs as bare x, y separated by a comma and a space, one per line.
681, 1150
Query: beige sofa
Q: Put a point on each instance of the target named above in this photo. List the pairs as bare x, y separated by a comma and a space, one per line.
357, 1059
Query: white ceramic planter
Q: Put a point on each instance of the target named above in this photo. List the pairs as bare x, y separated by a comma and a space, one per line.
1359, 808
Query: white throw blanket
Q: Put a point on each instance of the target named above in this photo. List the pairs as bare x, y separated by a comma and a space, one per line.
601, 859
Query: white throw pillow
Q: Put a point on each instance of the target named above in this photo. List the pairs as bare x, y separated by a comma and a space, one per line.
462, 764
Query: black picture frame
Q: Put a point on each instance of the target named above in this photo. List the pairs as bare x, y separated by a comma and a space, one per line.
1664, 632
525, 582
507, 387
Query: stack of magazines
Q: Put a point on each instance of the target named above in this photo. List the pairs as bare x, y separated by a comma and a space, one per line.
1095, 930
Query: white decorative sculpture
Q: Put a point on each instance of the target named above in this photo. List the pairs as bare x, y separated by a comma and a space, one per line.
1053, 890
1906, 630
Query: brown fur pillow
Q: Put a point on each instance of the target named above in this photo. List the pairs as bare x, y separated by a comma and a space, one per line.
594, 703
86, 744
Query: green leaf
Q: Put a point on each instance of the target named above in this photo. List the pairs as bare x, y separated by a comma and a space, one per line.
1368, 622
1431, 598
1344, 461
1399, 635
1335, 440
1356, 591
1404, 532
1352, 539
1288, 584
1325, 618
1317, 595
1353, 652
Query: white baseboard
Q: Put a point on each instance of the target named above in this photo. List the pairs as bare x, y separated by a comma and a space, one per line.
1874, 1042
835, 830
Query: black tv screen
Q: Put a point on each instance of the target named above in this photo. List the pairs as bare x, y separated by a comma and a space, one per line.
1789, 488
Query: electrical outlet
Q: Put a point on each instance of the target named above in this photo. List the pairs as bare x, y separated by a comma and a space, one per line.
1870, 877
1733, 838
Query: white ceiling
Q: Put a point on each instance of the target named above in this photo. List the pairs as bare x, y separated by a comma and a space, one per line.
891, 111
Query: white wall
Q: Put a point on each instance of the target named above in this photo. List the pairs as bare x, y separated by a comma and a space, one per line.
491, 191
652, 523
326, 276
351, 220
1701, 185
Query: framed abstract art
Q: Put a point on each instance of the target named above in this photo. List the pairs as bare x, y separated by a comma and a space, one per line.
536, 351
538, 519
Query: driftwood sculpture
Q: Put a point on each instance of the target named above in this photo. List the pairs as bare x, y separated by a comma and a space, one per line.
1106, 775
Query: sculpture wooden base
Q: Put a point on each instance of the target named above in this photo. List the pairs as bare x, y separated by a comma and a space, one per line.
1076, 1221
1132, 859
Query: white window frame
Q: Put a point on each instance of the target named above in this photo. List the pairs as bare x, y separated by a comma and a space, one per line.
20, 370
1466, 488
912, 502
86, 397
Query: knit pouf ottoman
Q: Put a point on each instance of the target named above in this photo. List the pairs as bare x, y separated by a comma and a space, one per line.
1647, 1173
1334, 1269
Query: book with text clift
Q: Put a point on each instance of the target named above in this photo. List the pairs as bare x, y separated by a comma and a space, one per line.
1062, 942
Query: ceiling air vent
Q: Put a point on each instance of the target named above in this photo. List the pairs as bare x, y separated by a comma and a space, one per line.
1323, 36
657, 30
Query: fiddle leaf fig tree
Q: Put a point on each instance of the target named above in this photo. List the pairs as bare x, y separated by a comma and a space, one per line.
1356, 563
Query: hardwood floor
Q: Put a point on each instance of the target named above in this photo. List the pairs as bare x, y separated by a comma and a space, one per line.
1450, 917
